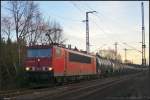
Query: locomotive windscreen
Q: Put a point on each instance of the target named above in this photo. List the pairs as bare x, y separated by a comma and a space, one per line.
46, 52
79, 58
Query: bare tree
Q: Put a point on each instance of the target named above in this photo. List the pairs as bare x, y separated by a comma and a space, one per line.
30, 26
110, 54
45, 32
6, 26
23, 12
35, 29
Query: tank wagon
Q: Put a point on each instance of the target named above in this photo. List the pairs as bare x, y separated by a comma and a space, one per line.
111, 67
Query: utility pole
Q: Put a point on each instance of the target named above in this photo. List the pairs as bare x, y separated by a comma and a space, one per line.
125, 54
0, 40
116, 50
143, 37
0, 65
87, 31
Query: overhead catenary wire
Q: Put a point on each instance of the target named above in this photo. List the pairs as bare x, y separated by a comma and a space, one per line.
132, 47
65, 18
96, 14
75, 5
93, 14
92, 21
101, 12
99, 17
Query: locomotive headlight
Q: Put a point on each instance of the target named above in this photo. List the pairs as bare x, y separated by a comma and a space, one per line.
27, 68
38, 60
50, 68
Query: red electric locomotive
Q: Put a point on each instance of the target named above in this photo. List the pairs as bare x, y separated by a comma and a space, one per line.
58, 63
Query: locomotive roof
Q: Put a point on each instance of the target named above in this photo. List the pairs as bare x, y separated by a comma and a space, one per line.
39, 46
77, 52
53, 45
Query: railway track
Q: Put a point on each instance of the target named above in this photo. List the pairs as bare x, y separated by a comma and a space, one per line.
38, 88
71, 91
32, 89
86, 90
11, 93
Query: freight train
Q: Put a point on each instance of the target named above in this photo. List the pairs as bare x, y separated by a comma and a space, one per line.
59, 64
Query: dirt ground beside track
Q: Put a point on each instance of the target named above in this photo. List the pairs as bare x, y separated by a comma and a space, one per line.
134, 89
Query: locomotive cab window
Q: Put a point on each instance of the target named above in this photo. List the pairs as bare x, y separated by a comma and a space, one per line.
45, 52
79, 58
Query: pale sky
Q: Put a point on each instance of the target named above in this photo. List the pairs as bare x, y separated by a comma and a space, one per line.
115, 21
